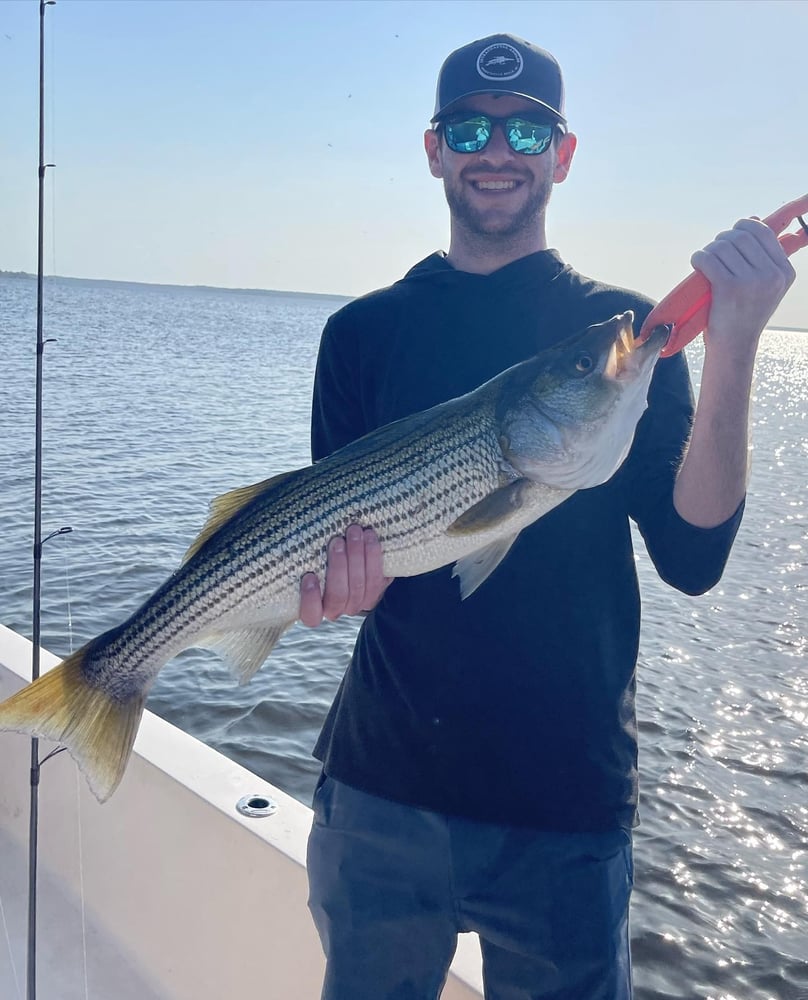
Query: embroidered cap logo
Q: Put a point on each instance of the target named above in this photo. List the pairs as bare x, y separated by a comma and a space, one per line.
499, 61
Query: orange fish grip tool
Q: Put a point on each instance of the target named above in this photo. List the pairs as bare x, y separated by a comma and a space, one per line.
687, 307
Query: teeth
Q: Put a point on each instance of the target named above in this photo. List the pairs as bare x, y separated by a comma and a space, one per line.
612, 367
495, 185
622, 356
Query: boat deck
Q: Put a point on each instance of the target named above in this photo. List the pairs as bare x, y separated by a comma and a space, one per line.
185, 898
65, 969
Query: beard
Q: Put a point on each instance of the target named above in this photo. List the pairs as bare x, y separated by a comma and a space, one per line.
495, 222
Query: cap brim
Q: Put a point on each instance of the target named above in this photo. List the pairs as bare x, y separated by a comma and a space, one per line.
497, 93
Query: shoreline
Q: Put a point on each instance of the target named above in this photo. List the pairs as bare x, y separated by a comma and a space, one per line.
119, 283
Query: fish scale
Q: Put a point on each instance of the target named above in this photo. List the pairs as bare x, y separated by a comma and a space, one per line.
409, 493
456, 483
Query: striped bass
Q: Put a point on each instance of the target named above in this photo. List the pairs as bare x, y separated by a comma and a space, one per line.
453, 484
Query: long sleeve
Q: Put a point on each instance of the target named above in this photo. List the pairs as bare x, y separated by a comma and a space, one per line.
687, 557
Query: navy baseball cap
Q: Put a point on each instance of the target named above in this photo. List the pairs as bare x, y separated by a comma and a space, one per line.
501, 64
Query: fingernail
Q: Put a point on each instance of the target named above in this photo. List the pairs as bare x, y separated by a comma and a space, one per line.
338, 545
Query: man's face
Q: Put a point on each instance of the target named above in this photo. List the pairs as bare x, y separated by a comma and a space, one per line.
498, 192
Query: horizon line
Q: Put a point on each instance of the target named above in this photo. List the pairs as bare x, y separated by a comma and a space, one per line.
249, 291
169, 284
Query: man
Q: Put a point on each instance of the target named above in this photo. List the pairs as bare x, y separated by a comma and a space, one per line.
480, 758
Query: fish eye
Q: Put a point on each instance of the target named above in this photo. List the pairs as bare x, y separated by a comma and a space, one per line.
584, 363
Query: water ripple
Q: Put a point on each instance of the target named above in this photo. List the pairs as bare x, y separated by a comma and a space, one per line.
158, 399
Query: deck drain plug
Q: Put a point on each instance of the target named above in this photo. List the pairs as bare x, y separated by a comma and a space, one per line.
256, 806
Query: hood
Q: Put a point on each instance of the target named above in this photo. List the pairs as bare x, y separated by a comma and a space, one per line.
533, 270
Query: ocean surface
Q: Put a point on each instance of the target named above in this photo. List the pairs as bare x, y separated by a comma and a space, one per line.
159, 398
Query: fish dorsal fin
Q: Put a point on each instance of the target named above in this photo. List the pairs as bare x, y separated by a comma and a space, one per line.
245, 650
473, 569
493, 510
225, 507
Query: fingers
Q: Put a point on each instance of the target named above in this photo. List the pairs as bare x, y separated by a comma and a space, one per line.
344, 575
311, 602
357, 572
749, 273
748, 251
354, 578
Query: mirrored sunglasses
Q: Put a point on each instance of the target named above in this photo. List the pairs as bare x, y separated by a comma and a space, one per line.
471, 133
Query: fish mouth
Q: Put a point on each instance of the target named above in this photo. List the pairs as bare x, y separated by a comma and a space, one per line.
627, 355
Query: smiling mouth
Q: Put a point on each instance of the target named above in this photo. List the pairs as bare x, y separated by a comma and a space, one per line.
498, 185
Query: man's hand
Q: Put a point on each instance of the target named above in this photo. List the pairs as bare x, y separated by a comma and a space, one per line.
749, 274
354, 578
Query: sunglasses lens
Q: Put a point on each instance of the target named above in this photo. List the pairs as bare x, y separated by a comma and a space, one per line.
469, 135
528, 137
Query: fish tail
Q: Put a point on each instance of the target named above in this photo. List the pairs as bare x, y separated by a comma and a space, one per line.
96, 729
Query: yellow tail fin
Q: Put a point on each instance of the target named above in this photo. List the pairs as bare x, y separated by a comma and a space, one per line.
97, 730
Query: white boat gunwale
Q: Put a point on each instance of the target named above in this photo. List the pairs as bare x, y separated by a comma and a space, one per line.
195, 899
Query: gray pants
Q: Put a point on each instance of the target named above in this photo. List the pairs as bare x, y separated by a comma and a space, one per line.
391, 886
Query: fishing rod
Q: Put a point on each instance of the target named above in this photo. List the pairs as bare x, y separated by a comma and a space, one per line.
33, 829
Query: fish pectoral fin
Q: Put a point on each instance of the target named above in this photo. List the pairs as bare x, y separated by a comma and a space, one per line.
493, 510
246, 649
223, 508
474, 569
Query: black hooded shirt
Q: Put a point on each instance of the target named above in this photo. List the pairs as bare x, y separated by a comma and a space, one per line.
515, 705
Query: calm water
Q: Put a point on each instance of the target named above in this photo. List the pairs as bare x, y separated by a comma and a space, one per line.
159, 398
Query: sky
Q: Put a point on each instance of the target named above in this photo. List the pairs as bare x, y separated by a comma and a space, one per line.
259, 144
